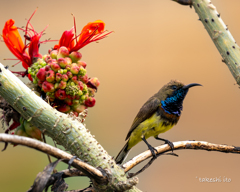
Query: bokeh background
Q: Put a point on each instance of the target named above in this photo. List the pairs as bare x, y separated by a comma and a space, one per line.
153, 42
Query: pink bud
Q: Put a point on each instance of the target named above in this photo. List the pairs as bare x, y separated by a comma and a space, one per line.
60, 94
58, 77
75, 79
64, 77
62, 62
47, 87
82, 63
80, 85
55, 67
69, 74
53, 54
95, 81
62, 52
63, 108
51, 61
47, 67
90, 101
41, 74
84, 78
79, 108
46, 58
74, 68
68, 67
50, 76
75, 56
62, 85
68, 60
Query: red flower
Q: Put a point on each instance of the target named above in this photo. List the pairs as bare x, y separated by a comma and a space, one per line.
66, 39
33, 48
15, 44
93, 31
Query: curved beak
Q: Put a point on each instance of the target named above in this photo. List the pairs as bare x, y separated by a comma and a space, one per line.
191, 85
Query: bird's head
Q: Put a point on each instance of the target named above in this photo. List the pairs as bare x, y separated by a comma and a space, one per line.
172, 95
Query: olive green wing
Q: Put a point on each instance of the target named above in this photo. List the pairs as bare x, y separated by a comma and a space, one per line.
144, 113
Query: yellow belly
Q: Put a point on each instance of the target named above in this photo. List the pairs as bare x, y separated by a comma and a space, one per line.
148, 128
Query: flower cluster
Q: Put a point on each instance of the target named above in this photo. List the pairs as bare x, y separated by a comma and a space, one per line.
61, 74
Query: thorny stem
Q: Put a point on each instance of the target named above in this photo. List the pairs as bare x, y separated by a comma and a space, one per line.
65, 130
219, 33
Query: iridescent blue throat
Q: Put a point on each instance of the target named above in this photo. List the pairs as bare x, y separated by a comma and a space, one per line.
173, 104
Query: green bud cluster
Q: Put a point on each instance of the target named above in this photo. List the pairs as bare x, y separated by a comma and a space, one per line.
35, 68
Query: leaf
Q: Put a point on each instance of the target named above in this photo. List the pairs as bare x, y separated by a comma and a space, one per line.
42, 178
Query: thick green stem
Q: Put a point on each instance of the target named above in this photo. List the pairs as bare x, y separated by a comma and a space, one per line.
66, 131
220, 35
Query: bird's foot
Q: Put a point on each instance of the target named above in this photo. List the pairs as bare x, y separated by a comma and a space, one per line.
166, 142
151, 148
170, 144
153, 151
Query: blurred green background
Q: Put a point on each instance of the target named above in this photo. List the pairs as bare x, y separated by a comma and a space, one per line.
154, 41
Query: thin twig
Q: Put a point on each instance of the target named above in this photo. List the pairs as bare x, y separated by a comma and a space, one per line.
55, 152
203, 145
73, 172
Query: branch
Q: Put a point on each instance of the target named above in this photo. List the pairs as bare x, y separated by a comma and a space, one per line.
65, 130
202, 145
71, 173
219, 33
87, 169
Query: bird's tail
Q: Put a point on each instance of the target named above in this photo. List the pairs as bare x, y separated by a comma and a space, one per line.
122, 155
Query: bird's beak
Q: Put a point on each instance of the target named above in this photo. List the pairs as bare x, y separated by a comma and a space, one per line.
191, 85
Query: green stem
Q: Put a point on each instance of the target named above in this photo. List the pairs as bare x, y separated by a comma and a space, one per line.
65, 130
219, 33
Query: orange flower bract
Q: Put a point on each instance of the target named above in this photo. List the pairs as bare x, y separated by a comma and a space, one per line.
14, 42
93, 31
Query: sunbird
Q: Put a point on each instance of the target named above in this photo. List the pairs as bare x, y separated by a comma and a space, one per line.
159, 114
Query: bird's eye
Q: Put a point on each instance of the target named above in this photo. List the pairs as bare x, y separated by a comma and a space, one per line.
174, 87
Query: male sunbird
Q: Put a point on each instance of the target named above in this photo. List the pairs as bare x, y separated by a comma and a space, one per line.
159, 114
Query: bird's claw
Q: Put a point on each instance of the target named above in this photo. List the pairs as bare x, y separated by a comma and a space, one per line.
170, 144
153, 151
166, 142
